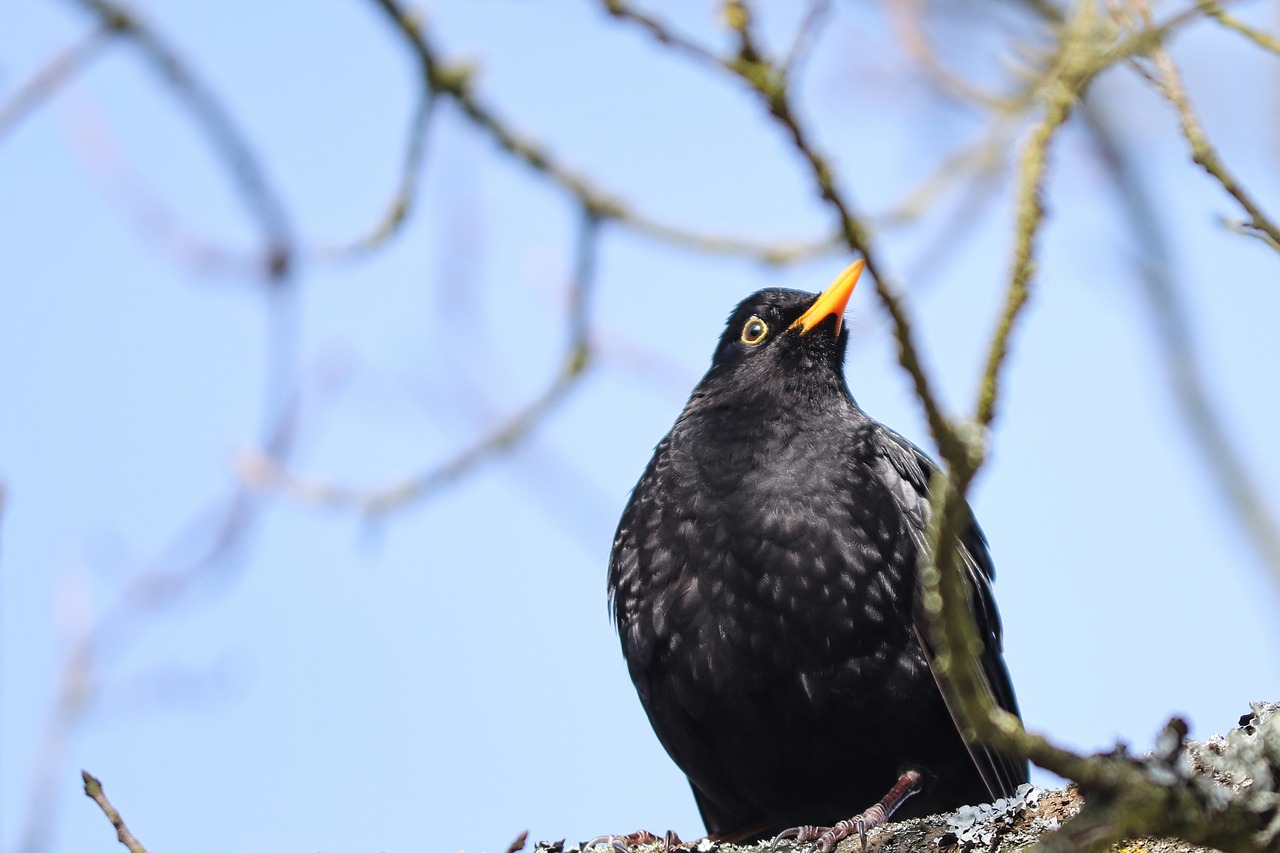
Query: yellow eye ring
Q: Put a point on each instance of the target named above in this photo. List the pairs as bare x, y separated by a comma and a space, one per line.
754, 331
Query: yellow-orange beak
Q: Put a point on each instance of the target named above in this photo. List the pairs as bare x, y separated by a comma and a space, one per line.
832, 300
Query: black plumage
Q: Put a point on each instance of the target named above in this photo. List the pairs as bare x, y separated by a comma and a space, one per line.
763, 580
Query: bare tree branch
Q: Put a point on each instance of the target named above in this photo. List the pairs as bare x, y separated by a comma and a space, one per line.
1224, 462
401, 205
250, 179
211, 542
662, 33
53, 76
1266, 41
907, 18
454, 82
1071, 79
1203, 152
806, 36
93, 790
262, 471
1126, 795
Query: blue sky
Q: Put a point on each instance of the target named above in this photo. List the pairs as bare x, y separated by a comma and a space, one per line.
447, 676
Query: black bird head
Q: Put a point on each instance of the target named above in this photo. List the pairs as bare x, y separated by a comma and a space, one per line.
783, 345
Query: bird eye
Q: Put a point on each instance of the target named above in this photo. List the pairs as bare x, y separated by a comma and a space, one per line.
754, 331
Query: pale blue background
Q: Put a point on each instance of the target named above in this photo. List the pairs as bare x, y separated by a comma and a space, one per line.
449, 677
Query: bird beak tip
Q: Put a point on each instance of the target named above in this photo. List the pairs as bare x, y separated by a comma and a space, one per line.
832, 300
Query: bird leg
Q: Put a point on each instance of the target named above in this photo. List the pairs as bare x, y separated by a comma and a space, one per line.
826, 838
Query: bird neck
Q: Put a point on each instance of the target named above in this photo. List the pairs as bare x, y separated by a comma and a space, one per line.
752, 429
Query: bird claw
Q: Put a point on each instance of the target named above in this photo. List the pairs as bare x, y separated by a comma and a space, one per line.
612, 841
832, 836
824, 838
623, 843
799, 834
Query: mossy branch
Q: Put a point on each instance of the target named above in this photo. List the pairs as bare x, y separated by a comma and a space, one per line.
1203, 151
1266, 41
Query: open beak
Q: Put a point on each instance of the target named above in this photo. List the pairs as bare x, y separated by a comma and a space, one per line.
832, 300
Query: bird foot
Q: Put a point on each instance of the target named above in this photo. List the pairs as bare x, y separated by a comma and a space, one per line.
825, 838
806, 834
623, 843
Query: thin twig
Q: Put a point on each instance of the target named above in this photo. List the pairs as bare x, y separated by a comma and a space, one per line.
1248, 229
984, 159
454, 81
93, 790
661, 32
211, 541
401, 205
1174, 335
107, 160
517, 844
261, 471
258, 195
53, 76
1030, 215
1266, 41
907, 18
1202, 151
806, 36
777, 254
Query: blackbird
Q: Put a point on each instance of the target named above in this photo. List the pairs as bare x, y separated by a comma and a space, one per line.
763, 581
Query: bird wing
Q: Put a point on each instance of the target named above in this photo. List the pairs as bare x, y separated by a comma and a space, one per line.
908, 469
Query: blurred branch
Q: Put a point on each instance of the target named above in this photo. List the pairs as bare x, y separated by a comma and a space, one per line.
108, 161
1124, 797
1073, 69
249, 178
907, 18
49, 79
93, 790
722, 244
517, 844
454, 81
1202, 152
1263, 40
211, 541
401, 204
1226, 465
1248, 229
806, 36
663, 34
261, 471
968, 214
